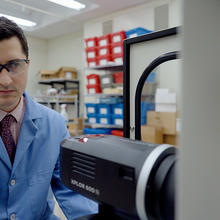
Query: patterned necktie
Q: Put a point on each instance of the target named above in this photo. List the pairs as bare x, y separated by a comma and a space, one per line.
7, 136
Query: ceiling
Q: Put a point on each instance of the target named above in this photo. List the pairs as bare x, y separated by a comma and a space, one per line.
54, 20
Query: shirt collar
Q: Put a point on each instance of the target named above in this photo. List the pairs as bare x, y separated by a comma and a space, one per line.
17, 112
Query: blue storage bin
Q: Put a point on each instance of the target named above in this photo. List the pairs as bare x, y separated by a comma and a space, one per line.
151, 77
144, 120
97, 130
117, 120
145, 107
93, 119
136, 32
117, 109
91, 109
104, 109
110, 100
105, 119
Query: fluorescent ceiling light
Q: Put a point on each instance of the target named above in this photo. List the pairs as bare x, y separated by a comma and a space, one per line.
69, 4
20, 21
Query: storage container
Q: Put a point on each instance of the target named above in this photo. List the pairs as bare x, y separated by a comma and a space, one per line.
136, 32
104, 109
151, 77
104, 51
93, 89
145, 107
118, 77
110, 100
104, 60
97, 130
118, 37
117, 58
91, 42
117, 120
93, 119
117, 133
117, 109
91, 109
104, 40
105, 119
117, 49
91, 52
106, 80
92, 62
93, 79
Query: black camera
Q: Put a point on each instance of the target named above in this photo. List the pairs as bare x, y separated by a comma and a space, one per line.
130, 179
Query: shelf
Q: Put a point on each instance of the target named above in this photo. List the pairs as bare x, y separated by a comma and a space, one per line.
54, 102
99, 95
110, 66
59, 81
56, 99
103, 126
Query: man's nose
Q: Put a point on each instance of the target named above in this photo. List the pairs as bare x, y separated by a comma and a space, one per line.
5, 78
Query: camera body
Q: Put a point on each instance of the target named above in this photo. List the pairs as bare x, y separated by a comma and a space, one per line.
134, 177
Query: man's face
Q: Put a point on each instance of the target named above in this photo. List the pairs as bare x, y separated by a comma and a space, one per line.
12, 86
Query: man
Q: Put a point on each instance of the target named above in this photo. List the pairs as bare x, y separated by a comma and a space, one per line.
31, 135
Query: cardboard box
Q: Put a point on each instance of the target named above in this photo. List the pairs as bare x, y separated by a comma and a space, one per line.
67, 73
152, 134
48, 74
72, 125
166, 120
170, 139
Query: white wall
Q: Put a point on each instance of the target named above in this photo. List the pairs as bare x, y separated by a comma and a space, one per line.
199, 179
68, 50
142, 15
38, 54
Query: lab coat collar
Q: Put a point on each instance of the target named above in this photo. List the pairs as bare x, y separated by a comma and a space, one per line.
27, 133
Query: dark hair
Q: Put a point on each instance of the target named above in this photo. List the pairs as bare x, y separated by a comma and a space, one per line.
10, 29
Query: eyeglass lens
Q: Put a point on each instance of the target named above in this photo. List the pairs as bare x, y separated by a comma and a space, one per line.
15, 67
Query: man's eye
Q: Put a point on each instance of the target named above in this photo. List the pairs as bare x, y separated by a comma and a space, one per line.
13, 65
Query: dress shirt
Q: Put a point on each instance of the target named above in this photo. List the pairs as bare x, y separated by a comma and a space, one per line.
18, 114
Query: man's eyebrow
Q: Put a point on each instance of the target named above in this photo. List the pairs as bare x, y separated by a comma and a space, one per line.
14, 60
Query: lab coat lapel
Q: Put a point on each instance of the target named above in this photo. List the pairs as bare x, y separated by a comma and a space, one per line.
27, 134
28, 130
4, 155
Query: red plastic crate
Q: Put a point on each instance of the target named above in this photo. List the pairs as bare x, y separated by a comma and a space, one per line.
93, 79
117, 133
91, 42
117, 58
117, 49
118, 77
104, 60
91, 52
93, 89
104, 51
104, 40
118, 37
92, 62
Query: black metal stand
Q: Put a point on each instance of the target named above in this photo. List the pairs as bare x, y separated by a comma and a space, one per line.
106, 212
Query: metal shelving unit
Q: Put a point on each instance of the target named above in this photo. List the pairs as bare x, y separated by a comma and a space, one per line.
66, 86
111, 67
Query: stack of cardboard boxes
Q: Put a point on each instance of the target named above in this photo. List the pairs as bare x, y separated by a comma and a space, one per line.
161, 127
67, 73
